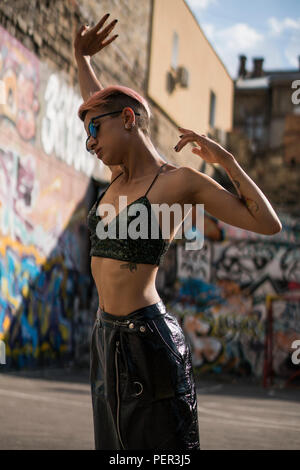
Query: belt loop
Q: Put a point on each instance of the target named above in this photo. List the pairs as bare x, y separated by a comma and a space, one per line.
98, 313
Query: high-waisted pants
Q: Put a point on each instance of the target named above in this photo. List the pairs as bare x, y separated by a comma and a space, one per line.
142, 382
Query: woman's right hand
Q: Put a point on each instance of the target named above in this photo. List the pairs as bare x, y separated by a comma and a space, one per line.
88, 41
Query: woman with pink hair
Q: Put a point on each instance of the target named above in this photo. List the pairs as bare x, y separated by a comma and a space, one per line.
142, 382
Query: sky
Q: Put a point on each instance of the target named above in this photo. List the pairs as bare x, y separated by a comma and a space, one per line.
255, 28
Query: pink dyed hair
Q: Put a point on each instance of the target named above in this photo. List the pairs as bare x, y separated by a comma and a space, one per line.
100, 98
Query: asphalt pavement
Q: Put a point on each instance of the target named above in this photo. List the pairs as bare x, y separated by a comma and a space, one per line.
51, 410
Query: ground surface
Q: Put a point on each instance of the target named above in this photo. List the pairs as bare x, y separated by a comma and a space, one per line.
52, 410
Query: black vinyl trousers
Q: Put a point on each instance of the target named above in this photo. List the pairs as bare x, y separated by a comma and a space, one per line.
142, 382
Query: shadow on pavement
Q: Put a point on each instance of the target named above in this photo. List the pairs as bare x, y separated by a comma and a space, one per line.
225, 385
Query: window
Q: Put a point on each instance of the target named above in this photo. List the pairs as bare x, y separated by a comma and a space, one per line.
255, 127
212, 109
174, 62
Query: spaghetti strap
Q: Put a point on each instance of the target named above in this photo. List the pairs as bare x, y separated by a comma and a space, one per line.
155, 178
102, 194
115, 179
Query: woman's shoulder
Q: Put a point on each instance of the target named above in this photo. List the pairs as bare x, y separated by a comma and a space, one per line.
173, 183
175, 173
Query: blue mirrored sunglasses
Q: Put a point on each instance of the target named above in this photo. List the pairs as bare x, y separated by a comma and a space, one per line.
93, 128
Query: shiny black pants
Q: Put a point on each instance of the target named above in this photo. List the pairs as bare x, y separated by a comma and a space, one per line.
142, 383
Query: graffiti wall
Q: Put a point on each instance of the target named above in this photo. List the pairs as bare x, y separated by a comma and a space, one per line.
46, 293
219, 296
44, 197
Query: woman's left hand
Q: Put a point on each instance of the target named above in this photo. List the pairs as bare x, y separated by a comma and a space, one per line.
88, 41
208, 149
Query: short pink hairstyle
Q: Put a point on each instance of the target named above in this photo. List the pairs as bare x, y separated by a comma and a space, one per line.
116, 97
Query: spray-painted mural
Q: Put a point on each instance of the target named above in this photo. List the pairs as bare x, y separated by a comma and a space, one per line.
219, 296
46, 293
45, 286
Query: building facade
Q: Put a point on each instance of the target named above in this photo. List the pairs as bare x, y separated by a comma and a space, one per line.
267, 108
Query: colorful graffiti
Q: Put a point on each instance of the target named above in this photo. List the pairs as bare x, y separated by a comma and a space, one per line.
36, 305
19, 71
57, 128
219, 296
32, 215
45, 286
42, 254
286, 329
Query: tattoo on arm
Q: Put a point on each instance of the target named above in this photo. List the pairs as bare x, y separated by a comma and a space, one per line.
237, 187
236, 183
131, 266
252, 205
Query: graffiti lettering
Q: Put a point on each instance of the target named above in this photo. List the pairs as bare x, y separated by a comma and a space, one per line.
195, 264
62, 132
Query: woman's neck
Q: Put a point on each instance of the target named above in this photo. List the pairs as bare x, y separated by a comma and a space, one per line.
142, 160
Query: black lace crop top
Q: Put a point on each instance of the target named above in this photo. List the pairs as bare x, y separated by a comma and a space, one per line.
145, 251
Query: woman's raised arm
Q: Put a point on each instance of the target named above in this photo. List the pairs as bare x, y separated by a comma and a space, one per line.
250, 210
87, 42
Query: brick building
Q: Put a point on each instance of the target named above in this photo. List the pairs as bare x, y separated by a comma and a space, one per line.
267, 114
263, 106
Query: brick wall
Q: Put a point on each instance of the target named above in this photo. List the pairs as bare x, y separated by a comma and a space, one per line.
47, 28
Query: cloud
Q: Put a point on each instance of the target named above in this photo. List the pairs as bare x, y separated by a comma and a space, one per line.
288, 31
230, 42
201, 4
277, 40
240, 36
277, 27
209, 30
292, 51
237, 37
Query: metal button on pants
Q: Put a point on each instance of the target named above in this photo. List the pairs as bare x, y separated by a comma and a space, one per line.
142, 383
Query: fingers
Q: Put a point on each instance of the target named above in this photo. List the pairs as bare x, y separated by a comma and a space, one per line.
191, 137
197, 150
101, 22
187, 131
108, 28
80, 30
184, 140
104, 44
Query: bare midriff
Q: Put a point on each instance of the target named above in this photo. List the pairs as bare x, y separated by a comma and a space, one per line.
121, 290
